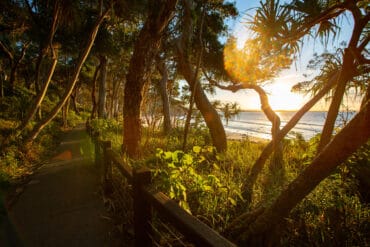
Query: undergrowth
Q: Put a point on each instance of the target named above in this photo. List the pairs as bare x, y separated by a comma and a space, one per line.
208, 185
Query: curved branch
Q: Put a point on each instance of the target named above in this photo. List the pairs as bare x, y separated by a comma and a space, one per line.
265, 105
267, 151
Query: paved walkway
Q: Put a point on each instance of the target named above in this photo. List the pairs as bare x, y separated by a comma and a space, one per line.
61, 205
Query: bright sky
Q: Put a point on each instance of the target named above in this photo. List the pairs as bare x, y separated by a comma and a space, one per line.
278, 89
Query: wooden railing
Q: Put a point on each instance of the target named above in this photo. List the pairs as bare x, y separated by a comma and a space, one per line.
145, 200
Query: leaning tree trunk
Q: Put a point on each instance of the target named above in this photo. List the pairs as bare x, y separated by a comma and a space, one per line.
90, 41
44, 47
258, 165
256, 229
162, 85
345, 75
347, 72
41, 95
208, 112
102, 87
145, 49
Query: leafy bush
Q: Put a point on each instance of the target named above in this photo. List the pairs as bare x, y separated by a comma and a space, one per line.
198, 183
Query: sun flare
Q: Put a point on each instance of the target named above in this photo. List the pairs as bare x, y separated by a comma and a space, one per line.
281, 98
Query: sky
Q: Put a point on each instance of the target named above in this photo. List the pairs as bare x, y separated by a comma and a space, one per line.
279, 88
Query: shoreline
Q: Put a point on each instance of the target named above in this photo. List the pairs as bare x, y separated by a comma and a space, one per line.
233, 136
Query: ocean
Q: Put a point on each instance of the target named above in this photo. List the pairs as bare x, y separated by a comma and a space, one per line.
253, 123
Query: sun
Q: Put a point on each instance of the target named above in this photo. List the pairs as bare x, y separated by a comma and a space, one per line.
281, 97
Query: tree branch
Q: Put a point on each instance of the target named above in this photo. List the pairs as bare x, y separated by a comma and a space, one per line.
330, 13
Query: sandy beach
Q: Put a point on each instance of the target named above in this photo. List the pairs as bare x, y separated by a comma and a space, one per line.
233, 136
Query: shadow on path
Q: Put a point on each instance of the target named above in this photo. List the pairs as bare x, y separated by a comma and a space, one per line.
61, 205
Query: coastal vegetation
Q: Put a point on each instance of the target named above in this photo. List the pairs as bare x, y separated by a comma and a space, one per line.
141, 72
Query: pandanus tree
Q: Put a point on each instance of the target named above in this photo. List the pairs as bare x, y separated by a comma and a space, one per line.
260, 227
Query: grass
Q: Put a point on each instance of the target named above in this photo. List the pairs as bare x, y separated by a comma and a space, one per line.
208, 185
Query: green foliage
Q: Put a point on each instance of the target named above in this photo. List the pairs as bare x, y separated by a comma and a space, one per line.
331, 215
15, 106
199, 184
110, 129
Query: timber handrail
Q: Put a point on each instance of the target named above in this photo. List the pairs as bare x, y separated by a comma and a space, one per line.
145, 200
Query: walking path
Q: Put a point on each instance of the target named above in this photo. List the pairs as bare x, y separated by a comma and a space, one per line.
62, 205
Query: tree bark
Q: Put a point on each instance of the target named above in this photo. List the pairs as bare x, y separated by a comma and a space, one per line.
162, 85
208, 112
74, 100
44, 45
43, 50
40, 97
90, 41
258, 230
268, 150
65, 111
102, 87
347, 72
277, 161
145, 49
93, 89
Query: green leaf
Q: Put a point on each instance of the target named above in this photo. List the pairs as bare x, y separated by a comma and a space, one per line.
171, 165
232, 201
207, 188
167, 155
187, 159
185, 206
215, 166
196, 149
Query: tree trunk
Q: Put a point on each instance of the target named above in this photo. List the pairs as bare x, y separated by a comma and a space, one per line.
74, 101
14, 67
145, 49
347, 72
256, 232
40, 97
208, 112
114, 98
65, 111
258, 165
43, 50
162, 85
277, 160
93, 89
90, 41
102, 88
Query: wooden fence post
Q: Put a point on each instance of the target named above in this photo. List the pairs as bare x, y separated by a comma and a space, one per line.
142, 208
